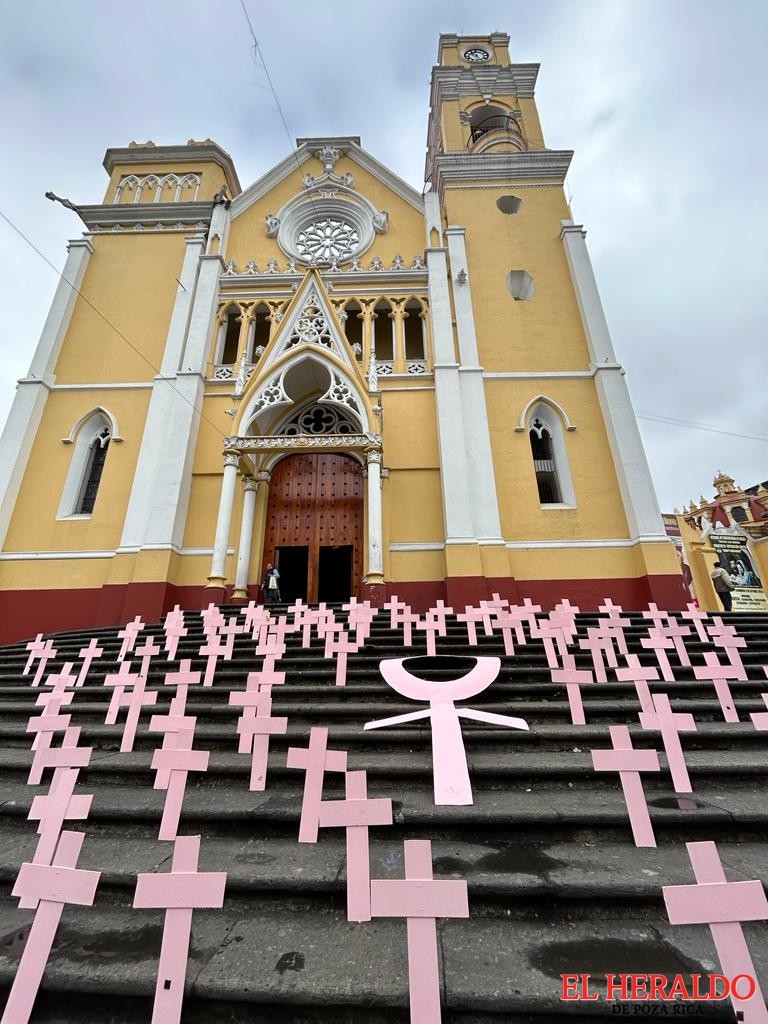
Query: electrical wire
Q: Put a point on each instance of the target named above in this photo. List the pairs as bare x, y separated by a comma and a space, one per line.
258, 53
691, 425
108, 322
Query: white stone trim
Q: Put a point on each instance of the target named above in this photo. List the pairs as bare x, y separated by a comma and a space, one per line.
32, 556
427, 545
537, 374
612, 543
137, 385
114, 432
523, 422
631, 465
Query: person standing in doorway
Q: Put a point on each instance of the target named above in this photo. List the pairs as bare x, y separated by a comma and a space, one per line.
271, 585
723, 584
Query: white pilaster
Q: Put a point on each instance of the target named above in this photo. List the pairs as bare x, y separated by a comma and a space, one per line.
474, 413
157, 507
218, 575
454, 471
246, 536
32, 391
375, 527
637, 491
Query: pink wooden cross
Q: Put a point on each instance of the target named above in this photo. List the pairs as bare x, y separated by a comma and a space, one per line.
640, 675
182, 679
255, 728
658, 642
401, 615
697, 617
421, 900
669, 724
255, 619
509, 619
724, 906
360, 616
449, 758
178, 893
61, 693
46, 888
676, 631
614, 623
174, 761
88, 654
128, 636
725, 636
599, 644
129, 692
147, 651
273, 639
356, 814
720, 674
51, 810
174, 629
219, 644
433, 625
68, 755
629, 762
338, 642
760, 719
212, 619
573, 679
471, 616
43, 651
613, 611
658, 617
316, 760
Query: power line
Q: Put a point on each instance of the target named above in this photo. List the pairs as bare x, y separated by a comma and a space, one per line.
108, 322
689, 424
257, 52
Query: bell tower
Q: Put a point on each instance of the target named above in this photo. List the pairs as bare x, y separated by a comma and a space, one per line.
534, 416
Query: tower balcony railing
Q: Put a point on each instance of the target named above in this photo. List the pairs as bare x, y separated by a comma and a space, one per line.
504, 124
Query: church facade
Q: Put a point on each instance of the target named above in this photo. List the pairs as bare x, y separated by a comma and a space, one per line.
380, 391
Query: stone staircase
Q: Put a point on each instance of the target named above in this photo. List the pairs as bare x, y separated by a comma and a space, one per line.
556, 884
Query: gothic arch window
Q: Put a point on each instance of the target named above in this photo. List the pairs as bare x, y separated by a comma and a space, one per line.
413, 330
91, 445
550, 457
353, 327
261, 325
383, 331
229, 337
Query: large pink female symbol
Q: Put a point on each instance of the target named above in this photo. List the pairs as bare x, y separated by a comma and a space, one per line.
449, 759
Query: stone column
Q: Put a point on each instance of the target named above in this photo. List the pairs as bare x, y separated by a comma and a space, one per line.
218, 576
398, 338
246, 538
375, 569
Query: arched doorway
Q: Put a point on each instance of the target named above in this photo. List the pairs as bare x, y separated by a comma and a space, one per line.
314, 526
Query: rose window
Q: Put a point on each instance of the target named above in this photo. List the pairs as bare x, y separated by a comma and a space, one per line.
327, 241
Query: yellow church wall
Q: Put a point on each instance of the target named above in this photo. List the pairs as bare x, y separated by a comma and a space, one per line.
34, 526
405, 236
545, 332
599, 511
417, 498
211, 179
54, 574
131, 281
534, 135
591, 563
410, 429
414, 566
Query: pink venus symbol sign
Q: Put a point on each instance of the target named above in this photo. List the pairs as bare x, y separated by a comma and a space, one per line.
449, 759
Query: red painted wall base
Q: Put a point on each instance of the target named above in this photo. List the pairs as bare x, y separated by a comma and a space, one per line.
23, 613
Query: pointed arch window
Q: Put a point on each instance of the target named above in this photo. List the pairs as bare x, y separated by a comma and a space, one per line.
97, 456
230, 339
261, 327
550, 458
383, 330
91, 440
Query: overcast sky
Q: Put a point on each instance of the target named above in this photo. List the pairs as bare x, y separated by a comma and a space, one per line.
663, 102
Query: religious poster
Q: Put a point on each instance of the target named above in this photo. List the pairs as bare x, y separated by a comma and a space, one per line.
748, 594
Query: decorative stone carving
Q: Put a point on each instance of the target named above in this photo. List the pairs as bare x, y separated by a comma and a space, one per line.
242, 376
312, 327
282, 442
251, 268
271, 394
272, 267
222, 373
376, 263
327, 240
381, 222
328, 157
461, 277
417, 367
231, 270
231, 459
273, 225
385, 368
264, 476
259, 351
397, 263
320, 419
418, 263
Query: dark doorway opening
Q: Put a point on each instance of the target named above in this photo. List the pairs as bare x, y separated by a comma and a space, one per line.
293, 566
334, 581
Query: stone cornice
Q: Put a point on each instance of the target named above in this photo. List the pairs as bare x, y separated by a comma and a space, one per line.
184, 156
300, 442
457, 81
396, 280
107, 215
548, 165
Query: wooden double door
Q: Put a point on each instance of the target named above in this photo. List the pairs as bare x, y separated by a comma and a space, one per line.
314, 527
